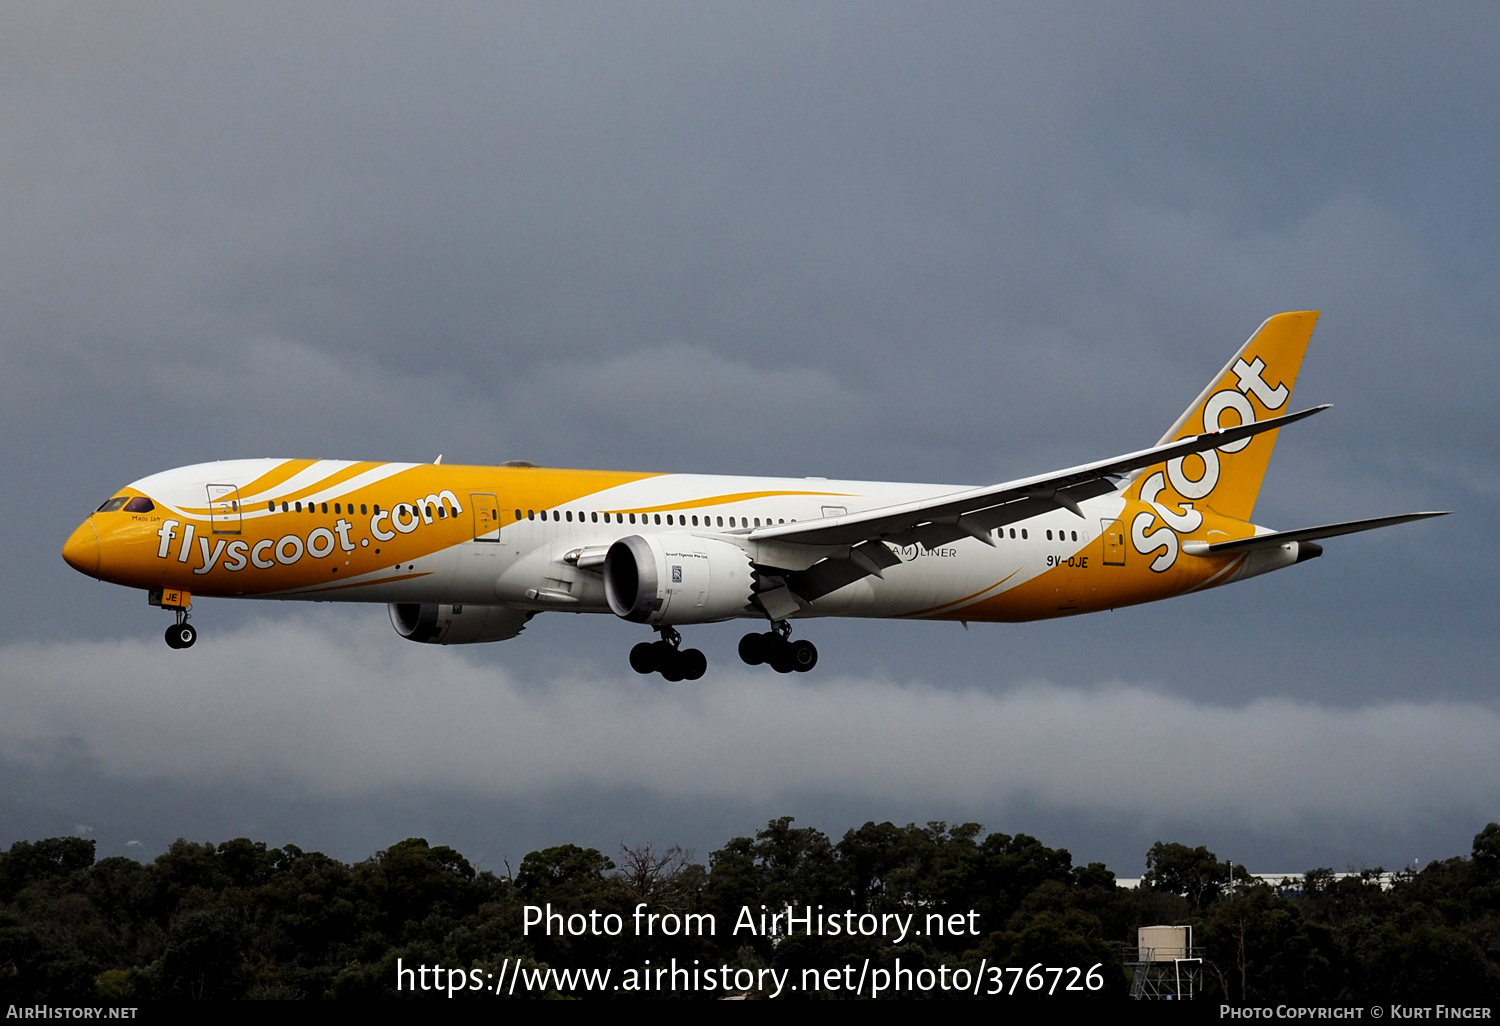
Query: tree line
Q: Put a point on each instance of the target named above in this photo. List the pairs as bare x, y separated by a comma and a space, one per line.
243, 920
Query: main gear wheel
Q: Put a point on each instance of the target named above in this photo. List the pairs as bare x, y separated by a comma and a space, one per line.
668, 658
775, 648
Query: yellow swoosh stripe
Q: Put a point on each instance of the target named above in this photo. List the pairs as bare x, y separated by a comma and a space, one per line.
719, 500
966, 598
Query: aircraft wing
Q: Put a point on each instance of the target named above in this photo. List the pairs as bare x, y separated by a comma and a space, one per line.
976, 512
1303, 534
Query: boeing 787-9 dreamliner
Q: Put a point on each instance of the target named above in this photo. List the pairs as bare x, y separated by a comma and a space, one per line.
465, 554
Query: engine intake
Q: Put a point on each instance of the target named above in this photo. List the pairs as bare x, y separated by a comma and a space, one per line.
676, 578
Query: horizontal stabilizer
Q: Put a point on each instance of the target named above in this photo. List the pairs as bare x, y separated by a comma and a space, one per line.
1305, 534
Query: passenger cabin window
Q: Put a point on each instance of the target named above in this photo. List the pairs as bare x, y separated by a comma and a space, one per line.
113, 504
270, 507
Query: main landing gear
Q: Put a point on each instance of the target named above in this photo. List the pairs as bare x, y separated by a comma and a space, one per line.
667, 658
776, 647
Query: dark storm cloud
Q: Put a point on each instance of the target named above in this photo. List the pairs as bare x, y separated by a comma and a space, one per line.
873, 241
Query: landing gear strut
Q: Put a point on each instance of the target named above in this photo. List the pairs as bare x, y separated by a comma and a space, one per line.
776, 647
668, 658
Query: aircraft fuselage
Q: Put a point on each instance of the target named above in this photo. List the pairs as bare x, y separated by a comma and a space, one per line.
388, 532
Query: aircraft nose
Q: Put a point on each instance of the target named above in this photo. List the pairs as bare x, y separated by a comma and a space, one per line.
81, 550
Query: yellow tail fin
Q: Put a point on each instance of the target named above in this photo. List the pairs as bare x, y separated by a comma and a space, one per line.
1257, 383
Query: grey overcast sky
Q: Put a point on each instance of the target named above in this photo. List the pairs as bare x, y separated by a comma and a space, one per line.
915, 242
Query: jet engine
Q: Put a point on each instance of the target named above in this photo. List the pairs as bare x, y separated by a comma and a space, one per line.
442, 623
676, 578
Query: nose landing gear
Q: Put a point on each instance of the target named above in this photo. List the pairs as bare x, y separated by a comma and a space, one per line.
668, 658
181, 634
777, 648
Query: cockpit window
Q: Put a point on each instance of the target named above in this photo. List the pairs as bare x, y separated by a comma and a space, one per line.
139, 504
113, 504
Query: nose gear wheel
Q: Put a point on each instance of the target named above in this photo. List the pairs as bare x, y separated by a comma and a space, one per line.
181, 634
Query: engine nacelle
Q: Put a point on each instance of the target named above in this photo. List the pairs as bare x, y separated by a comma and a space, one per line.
442, 623
676, 578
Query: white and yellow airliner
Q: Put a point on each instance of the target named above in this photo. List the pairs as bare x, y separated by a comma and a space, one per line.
466, 554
